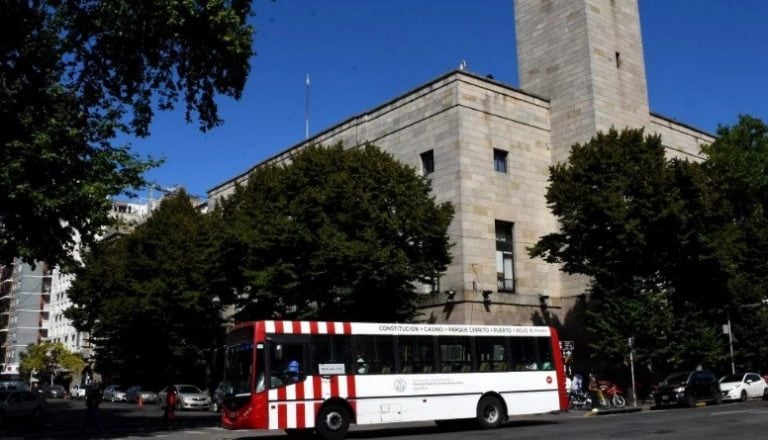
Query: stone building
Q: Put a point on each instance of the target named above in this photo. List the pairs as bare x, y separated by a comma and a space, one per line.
486, 146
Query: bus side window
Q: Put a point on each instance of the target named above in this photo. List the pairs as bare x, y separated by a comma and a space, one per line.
455, 351
287, 364
544, 354
491, 353
519, 352
378, 352
417, 354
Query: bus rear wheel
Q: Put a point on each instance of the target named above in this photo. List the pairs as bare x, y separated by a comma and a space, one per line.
490, 412
332, 422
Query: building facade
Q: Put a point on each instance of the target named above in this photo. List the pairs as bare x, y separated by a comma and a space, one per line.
486, 147
24, 311
33, 299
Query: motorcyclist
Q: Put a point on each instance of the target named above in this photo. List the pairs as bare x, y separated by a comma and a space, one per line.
597, 393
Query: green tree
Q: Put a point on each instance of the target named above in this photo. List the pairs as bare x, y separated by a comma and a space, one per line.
736, 167
335, 234
74, 74
638, 225
152, 300
49, 357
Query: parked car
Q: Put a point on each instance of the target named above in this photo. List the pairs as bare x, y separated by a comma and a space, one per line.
187, 397
136, 393
688, 388
53, 391
13, 385
742, 386
77, 391
21, 403
114, 393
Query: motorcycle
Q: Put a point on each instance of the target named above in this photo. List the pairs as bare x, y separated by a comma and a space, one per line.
614, 395
580, 400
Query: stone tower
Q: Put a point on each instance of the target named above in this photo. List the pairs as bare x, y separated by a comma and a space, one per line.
586, 57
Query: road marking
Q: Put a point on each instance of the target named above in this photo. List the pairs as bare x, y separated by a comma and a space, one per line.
737, 411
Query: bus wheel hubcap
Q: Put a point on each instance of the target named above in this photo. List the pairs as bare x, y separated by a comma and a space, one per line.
333, 421
491, 415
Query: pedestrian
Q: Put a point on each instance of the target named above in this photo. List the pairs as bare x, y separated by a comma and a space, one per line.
92, 416
169, 414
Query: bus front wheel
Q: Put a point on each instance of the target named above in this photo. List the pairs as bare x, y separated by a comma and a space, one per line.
490, 412
332, 422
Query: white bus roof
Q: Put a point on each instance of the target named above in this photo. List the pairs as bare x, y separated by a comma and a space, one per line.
361, 328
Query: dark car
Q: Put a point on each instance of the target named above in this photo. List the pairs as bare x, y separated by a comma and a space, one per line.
136, 394
21, 404
53, 391
689, 388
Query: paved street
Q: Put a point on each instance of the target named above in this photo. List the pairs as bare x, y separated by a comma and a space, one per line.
130, 422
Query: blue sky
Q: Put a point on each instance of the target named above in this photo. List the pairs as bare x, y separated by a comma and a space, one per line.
706, 63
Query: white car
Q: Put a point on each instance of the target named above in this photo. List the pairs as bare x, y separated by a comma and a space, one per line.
77, 391
742, 386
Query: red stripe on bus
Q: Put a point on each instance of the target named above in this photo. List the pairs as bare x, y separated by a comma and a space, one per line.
300, 390
282, 416
330, 328
313, 328
317, 384
557, 354
281, 394
296, 325
334, 386
300, 415
278, 326
351, 391
347, 328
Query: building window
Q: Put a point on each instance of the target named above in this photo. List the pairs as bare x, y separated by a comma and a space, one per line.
428, 162
505, 264
500, 160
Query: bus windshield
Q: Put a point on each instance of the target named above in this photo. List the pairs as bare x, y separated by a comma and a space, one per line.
238, 379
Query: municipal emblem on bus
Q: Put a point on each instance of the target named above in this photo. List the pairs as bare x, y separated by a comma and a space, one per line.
400, 384
549, 379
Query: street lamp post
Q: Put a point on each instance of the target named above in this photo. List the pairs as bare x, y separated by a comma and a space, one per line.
729, 330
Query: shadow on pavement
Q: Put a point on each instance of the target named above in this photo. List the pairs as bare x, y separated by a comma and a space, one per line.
67, 418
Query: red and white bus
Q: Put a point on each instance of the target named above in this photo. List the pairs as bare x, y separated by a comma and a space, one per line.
304, 375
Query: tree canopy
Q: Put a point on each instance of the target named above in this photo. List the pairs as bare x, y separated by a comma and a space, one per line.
736, 167
74, 74
641, 226
152, 300
334, 234
47, 357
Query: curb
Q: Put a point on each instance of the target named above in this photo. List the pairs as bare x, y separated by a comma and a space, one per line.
604, 412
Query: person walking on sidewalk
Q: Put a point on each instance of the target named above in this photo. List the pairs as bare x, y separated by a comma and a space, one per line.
169, 415
92, 416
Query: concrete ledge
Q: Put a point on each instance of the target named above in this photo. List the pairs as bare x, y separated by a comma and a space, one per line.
606, 411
